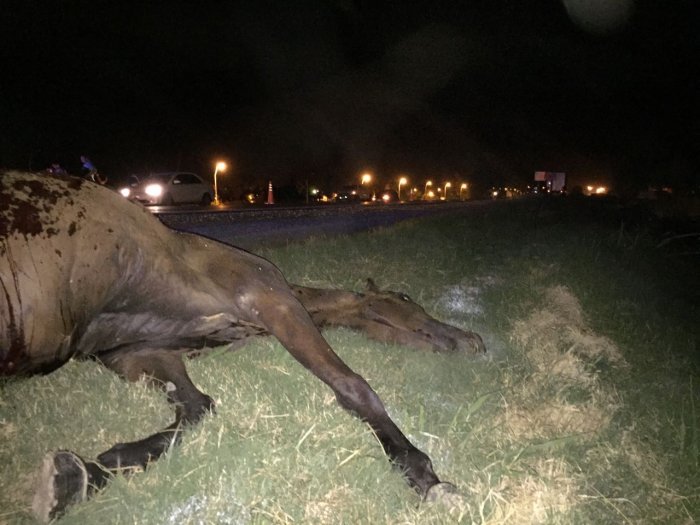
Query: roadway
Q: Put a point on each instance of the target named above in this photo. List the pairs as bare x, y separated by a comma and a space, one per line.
249, 228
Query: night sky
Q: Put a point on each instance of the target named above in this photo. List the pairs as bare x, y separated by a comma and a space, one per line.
486, 91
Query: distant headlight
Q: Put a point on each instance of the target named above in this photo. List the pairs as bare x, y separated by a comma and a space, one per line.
125, 192
154, 190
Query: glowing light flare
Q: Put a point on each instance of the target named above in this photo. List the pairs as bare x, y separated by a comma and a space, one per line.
593, 189
366, 178
154, 190
125, 192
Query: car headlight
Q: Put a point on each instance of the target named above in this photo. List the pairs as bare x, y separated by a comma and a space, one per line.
154, 190
125, 192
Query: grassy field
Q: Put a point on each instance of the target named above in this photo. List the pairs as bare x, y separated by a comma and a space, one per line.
586, 410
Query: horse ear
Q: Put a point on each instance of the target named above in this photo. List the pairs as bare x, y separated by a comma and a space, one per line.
371, 287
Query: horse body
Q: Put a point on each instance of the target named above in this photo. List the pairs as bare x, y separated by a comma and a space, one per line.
87, 282
85, 273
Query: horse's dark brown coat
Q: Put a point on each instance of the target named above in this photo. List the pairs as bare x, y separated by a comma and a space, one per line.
85, 273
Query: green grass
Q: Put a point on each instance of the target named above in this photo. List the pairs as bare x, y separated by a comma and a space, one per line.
587, 409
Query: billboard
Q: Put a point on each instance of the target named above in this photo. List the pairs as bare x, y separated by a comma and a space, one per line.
555, 180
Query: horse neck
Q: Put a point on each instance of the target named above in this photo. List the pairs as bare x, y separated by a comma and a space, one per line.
330, 307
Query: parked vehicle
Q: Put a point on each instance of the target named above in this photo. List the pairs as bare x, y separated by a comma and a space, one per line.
168, 189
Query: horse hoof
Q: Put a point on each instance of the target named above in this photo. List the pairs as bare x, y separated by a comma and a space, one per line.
62, 481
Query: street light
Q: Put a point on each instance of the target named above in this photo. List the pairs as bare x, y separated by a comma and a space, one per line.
366, 179
220, 166
425, 191
402, 180
462, 188
447, 185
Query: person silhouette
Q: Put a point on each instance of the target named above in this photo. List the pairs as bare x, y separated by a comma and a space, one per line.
90, 171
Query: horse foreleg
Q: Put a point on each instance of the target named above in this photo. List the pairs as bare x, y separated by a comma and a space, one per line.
66, 479
287, 320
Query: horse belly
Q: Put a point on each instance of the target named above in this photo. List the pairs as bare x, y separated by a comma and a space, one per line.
35, 321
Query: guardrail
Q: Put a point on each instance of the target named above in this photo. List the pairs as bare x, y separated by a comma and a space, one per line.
202, 216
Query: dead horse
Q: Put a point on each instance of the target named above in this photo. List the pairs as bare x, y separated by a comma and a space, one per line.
86, 274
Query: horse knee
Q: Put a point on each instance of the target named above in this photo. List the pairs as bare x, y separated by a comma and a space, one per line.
190, 406
354, 393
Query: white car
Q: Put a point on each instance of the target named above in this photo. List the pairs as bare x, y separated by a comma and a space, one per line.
169, 188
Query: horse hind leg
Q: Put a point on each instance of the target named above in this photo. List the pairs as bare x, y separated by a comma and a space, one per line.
65, 478
168, 370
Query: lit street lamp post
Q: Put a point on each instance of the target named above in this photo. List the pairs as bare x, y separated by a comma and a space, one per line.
220, 166
366, 179
447, 185
462, 188
425, 192
402, 180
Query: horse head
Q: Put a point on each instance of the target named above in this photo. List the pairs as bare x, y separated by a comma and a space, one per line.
387, 316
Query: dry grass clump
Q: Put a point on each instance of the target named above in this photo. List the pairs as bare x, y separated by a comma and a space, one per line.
562, 399
537, 490
559, 398
327, 509
561, 324
548, 491
556, 418
563, 395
